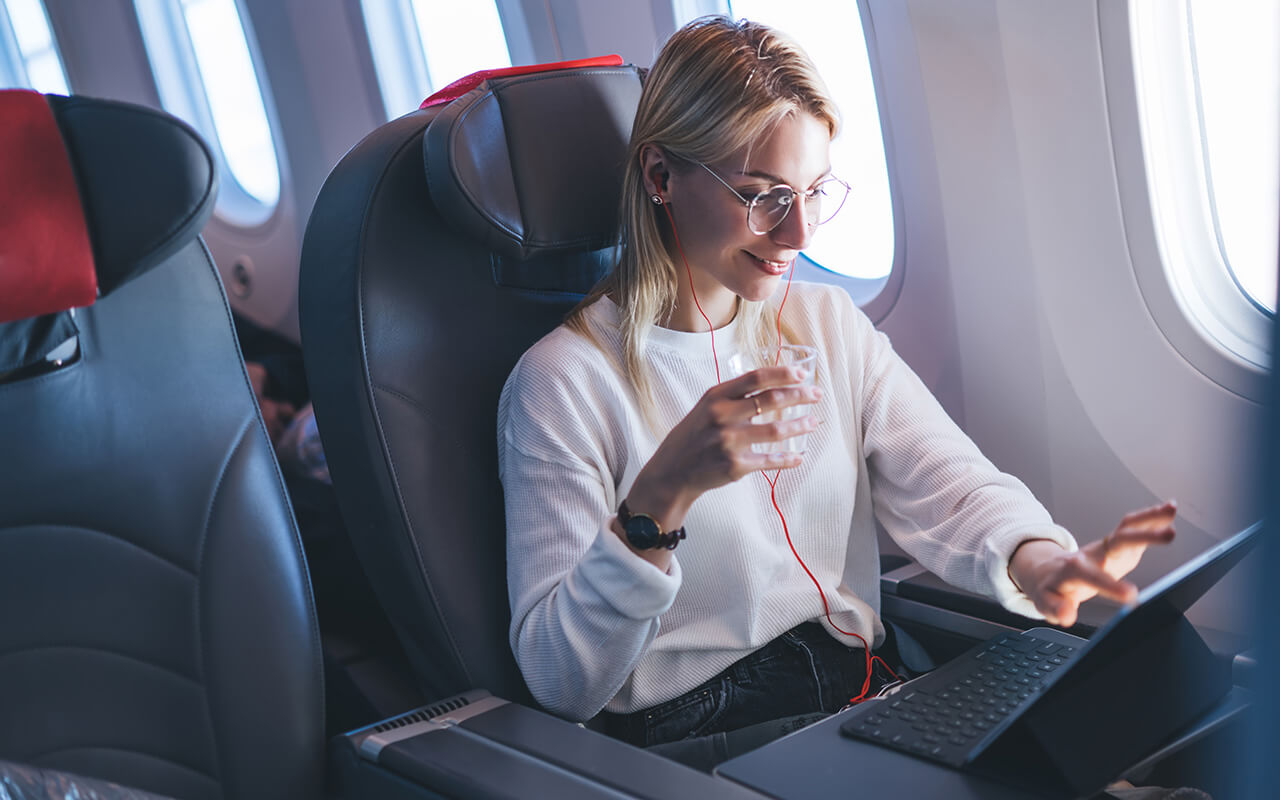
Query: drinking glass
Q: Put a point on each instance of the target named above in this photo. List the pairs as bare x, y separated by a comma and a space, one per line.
789, 355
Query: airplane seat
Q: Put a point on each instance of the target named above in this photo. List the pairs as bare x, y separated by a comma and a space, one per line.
439, 249
156, 622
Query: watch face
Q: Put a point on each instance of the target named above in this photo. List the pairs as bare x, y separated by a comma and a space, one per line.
642, 532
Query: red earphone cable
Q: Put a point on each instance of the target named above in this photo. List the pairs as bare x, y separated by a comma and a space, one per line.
773, 483
710, 328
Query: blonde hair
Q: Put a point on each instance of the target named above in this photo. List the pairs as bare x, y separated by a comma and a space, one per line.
717, 87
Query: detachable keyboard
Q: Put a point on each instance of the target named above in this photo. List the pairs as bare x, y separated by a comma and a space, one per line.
952, 714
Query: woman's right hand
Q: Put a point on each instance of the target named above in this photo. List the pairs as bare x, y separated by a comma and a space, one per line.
711, 446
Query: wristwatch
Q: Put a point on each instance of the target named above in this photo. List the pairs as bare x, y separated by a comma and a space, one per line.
644, 532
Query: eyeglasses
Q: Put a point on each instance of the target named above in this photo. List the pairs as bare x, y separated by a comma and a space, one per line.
767, 209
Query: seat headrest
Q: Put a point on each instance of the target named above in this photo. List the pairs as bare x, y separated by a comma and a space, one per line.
92, 194
533, 164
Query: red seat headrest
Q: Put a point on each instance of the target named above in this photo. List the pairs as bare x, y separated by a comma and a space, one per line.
46, 261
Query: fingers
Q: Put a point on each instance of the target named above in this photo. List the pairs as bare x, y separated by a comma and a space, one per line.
720, 434
759, 393
1125, 538
1139, 529
755, 462
779, 431
1154, 518
1058, 610
760, 379
778, 399
1083, 571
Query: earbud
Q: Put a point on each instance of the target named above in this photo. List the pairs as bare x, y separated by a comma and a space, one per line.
656, 198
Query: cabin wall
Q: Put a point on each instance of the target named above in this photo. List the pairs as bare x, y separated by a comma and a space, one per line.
1019, 305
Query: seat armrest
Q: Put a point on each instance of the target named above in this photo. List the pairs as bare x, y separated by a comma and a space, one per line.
481, 746
913, 582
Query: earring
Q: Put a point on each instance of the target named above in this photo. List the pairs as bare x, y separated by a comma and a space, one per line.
657, 199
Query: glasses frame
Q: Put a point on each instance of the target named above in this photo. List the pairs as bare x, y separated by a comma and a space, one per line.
807, 195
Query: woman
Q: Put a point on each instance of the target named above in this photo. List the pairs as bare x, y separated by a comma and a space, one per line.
615, 431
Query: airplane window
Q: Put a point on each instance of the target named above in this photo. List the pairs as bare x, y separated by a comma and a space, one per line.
859, 242
28, 53
424, 45
1206, 76
1236, 52
205, 74
450, 56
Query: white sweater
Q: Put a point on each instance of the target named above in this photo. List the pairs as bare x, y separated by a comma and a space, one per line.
594, 626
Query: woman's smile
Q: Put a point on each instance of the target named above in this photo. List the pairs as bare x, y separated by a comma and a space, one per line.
769, 266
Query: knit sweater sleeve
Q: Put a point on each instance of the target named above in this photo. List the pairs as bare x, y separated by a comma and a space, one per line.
933, 491
584, 608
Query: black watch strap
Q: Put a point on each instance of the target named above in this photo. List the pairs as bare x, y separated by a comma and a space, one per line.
644, 532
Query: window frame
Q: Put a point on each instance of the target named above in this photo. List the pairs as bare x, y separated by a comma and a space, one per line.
400, 56
182, 92
1175, 251
13, 65
400, 65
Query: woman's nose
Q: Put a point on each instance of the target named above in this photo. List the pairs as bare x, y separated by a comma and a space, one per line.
794, 232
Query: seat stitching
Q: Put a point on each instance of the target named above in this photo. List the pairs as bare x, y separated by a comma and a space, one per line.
48, 753
92, 649
295, 537
201, 643
108, 534
382, 437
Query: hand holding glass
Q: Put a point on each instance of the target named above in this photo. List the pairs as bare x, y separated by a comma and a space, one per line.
798, 356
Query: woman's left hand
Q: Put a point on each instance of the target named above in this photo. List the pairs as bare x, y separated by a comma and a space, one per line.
1058, 581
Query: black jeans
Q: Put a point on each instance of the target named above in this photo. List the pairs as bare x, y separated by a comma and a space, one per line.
802, 672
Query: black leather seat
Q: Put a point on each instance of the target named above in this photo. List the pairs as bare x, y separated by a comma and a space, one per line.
156, 622
440, 248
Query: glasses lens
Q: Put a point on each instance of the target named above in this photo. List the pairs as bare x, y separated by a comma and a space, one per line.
828, 198
768, 209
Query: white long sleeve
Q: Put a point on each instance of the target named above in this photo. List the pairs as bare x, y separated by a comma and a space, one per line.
594, 626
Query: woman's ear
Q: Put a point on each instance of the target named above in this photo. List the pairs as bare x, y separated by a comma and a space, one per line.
654, 167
